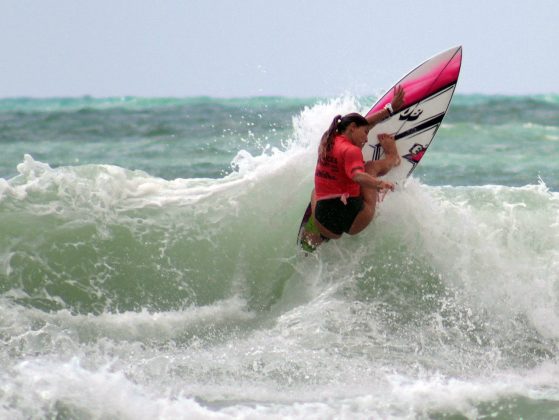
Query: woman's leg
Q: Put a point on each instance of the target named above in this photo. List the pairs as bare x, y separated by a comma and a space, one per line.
370, 195
365, 216
391, 157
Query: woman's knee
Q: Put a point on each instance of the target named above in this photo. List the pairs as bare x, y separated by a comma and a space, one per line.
371, 167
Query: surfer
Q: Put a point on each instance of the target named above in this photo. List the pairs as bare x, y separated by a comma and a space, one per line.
346, 188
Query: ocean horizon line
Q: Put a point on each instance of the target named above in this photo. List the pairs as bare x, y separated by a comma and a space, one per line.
236, 97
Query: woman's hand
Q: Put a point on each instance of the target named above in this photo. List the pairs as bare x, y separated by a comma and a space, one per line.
398, 99
368, 181
385, 186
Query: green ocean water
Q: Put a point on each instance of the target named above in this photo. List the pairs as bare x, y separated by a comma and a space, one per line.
148, 266
493, 139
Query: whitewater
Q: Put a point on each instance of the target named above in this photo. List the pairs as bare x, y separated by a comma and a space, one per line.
149, 269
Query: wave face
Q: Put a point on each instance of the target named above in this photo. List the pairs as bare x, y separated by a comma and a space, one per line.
176, 291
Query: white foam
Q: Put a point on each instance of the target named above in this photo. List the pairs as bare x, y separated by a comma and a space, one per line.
324, 350
41, 387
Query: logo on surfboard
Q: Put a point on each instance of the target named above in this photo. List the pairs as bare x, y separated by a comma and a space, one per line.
415, 154
411, 114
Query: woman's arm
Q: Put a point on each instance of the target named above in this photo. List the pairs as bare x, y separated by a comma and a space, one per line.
396, 103
368, 181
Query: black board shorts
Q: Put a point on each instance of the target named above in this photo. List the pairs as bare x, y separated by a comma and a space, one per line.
336, 216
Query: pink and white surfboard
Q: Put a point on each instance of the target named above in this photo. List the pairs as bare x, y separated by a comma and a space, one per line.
428, 92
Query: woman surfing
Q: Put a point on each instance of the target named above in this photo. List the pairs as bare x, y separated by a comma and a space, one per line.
346, 188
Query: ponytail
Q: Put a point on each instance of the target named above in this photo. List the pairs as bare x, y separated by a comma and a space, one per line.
338, 126
327, 140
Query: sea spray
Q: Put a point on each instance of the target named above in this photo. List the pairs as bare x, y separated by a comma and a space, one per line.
137, 293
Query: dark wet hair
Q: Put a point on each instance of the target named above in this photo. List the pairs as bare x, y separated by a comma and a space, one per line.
338, 126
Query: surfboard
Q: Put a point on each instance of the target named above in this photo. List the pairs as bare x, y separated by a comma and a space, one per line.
428, 91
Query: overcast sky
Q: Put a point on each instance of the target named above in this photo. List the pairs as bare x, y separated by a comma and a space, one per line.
297, 48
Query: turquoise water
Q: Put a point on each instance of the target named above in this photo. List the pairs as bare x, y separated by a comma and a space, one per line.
148, 266
492, 139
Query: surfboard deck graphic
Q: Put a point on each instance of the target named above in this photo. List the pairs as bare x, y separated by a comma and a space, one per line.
429, 89
428, 92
